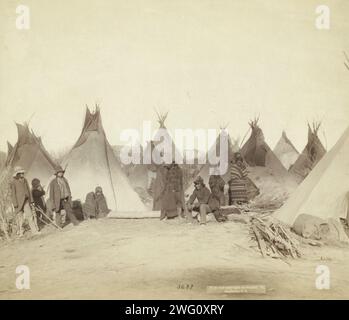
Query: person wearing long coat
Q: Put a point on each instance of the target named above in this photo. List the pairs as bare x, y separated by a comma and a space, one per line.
172, 199
22, 201
60, 198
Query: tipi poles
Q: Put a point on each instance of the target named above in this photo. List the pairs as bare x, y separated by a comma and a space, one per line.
48, 218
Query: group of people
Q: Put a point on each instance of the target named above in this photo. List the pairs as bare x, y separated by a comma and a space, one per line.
203, 200
31, 208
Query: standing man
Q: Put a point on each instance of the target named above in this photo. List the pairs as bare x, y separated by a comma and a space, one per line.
22, 201
60, 197
170, 189
238, 181
175, 186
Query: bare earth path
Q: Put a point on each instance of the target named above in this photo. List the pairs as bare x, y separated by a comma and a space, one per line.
144, 259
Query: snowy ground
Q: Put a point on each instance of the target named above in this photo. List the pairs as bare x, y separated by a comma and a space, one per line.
144, 259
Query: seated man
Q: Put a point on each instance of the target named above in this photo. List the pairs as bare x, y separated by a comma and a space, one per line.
206, 202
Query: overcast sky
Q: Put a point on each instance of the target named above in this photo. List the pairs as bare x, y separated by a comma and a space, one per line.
207, 62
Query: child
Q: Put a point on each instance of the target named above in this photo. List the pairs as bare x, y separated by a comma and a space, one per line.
38, 193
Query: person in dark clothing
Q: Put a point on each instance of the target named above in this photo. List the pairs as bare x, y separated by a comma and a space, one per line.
38, 193
206, 202
216, 184
172, 193
60, 198
101, 203
95, 205
89, 208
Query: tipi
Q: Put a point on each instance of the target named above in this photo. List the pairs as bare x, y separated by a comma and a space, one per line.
324, 193
162, 139
256, 151
266, 171
92, 162
141, 174
286, 151
153, 153
214, 151
30, 154
311, 155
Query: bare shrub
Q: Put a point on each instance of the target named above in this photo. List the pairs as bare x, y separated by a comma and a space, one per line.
6, 211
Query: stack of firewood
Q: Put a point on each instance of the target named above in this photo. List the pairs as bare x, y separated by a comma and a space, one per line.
274, 240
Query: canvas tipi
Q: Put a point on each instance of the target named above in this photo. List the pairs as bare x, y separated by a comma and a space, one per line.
153, 153
92, 162
324, 193
30, 154
286, 151
214, 151
256, 151
266, 171
311, 155
162, 139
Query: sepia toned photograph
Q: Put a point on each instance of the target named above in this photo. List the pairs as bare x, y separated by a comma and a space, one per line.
174, 150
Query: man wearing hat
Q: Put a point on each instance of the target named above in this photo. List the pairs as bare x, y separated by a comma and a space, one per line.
203, 195
60, 197
22, 201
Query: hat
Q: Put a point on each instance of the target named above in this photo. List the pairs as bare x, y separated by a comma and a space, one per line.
18, 170
58, 170
199, 180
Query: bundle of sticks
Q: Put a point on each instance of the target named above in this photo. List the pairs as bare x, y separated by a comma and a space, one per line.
273, 239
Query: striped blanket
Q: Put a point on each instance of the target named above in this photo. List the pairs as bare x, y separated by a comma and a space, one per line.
238, 184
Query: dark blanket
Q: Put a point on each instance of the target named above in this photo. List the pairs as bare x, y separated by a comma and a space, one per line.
102, 206
89, 208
